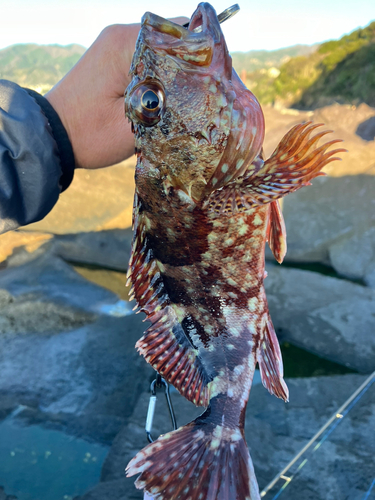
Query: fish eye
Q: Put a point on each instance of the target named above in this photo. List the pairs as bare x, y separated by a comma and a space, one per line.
145, 103
150, 100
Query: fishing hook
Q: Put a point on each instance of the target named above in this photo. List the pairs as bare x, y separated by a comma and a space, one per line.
157, 384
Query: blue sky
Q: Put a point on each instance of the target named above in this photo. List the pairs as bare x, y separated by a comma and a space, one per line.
260, 24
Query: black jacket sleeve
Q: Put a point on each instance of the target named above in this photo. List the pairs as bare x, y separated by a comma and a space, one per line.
36, 159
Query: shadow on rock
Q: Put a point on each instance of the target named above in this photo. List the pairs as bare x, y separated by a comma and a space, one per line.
366, 129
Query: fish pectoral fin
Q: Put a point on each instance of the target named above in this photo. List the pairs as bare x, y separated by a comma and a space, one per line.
167, 349
293, 164
276, 232
271, 363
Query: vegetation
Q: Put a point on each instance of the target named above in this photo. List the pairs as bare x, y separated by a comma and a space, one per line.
338, 71
301, 76
259, 59
38, 66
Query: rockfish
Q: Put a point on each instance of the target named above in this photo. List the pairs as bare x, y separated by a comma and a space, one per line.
205, 204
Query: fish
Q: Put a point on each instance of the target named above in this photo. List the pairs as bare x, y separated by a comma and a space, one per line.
206, 202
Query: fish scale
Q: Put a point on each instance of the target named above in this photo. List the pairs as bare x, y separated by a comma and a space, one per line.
206, 202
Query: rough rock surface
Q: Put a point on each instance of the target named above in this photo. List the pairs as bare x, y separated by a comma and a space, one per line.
109, 249
96, 200
50, 279
354, 257
343, 120
332, 318
28, 314
326, 213
65, 351
339, 469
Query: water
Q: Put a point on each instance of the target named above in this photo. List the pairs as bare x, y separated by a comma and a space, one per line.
300, 363
43, 464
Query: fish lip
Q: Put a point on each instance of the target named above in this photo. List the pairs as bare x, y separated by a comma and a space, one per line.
162, 25
204, 16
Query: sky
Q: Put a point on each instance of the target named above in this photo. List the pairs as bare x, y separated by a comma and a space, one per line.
260, 24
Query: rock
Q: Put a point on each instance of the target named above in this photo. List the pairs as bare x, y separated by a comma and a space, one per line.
51, 279
121, 489
4, 496
276, 432
341, 467
109, 249
28, 314
66, 380
106, 249
86, 380
345, 121
30, 242
366, 129
332, 318
96, 200
66, 352
355, 257
328, 212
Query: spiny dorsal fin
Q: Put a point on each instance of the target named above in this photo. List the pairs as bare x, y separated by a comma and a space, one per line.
271, 363
276, 232
165, 344
293, 164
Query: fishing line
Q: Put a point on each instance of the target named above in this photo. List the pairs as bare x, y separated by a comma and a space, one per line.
335, 419
369, 491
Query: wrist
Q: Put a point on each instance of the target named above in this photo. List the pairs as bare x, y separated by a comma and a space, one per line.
60, 136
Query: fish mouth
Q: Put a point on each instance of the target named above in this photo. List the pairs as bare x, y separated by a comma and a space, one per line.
204, 16
193, 47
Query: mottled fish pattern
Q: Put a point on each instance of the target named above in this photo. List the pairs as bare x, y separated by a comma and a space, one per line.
206, 202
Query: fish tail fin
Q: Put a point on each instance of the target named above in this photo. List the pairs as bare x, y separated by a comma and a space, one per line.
199, 461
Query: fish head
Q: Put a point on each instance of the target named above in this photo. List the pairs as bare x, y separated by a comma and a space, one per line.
190, 112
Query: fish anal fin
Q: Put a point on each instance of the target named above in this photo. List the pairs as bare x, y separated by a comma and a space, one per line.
166, 348
271, 364
276, 232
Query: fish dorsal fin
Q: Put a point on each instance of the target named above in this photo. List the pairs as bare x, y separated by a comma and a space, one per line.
293, 164
276, 232
164, 345
271, 363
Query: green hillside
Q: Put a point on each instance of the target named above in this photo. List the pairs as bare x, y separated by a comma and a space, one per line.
38, 66
302, 76
338, 71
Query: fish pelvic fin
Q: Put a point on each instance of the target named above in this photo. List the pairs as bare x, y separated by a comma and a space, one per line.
271, 363
293, 164
197, 462
166, 348
276, 232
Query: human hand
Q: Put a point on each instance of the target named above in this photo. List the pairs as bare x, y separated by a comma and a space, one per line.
90, 98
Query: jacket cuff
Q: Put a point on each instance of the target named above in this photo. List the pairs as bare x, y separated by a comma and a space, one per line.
61, 137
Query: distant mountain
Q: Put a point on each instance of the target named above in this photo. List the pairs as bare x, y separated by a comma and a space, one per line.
340, 71
41, 66
258, 59
38, 66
